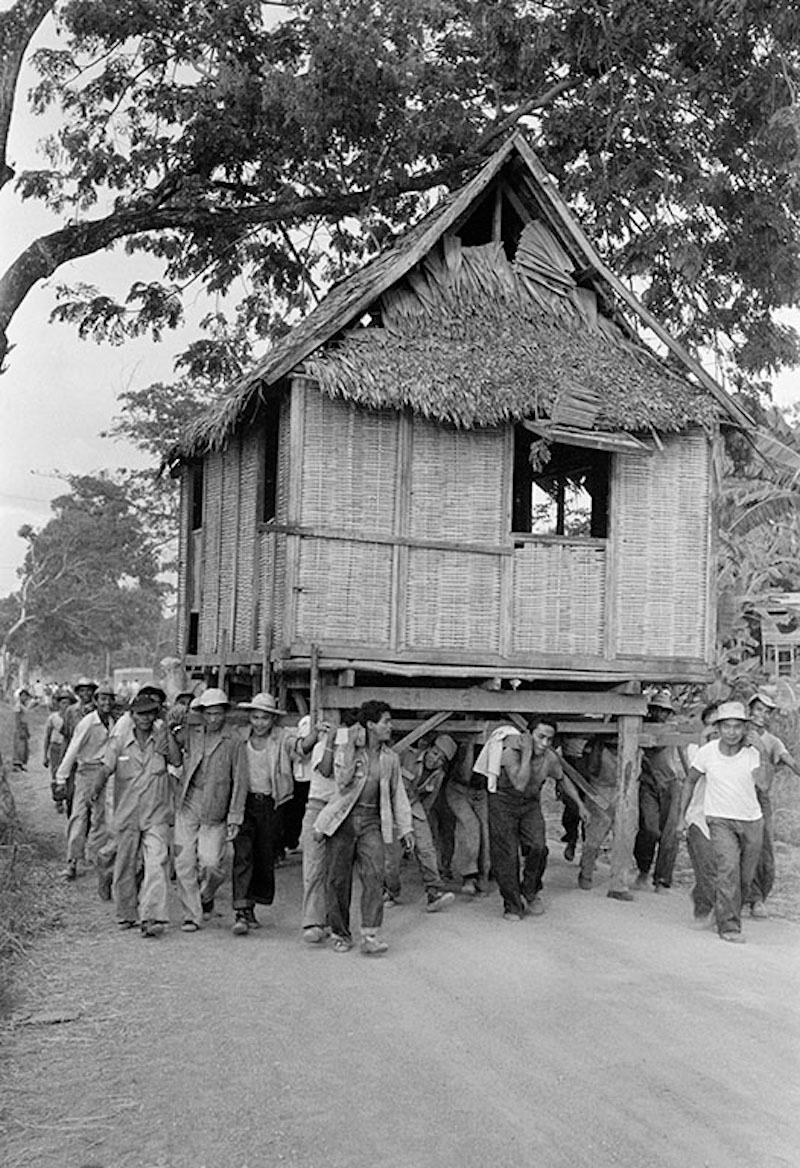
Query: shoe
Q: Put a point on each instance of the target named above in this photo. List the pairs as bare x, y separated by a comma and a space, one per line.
536, 906
190, 927
152, 928
208, 909
439, 900
240, 926
512, 917
585, 882
252, 920
759, 910
342, 944
734, 938
620, 894
104, 882
569, 852
70, 872
122, 925
373, 947
641, 880
469, 888
702, 921
313, 935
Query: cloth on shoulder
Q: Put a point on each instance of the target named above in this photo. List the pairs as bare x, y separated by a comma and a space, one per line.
489, 760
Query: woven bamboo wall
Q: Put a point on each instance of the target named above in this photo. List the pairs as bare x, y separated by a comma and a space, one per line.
209, 616
184, 586
344, 592
559, 598
457, 483
453, 601
660, 531
228, 568
249, 465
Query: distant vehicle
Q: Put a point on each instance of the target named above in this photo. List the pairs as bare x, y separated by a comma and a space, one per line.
128, 682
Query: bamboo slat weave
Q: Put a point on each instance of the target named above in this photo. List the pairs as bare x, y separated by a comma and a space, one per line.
456, 482
349, 466
344, 592
660, 516
249, 502
229, 536
559, 598
452, 601
184, 583
209, 614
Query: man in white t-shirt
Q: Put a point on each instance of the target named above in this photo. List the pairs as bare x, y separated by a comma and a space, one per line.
731, 766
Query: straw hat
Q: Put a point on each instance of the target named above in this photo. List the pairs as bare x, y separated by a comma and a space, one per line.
211, 697
107, 688
447, 745
731, 711
765, 700
85, 683
264, 702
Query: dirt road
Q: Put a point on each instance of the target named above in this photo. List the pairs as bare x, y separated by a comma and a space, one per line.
599, 1035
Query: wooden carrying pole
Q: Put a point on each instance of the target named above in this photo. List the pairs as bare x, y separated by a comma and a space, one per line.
313, 702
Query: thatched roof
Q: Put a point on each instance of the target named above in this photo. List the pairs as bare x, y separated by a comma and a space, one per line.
475, 341
470, 339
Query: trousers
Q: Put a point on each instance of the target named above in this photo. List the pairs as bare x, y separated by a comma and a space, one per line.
315, 869
516, 827
704, 866
254, 853
659, 807
471, 837
152, 844
737, 846
424, 850
86, 830
765, 870
358, 845
200, 852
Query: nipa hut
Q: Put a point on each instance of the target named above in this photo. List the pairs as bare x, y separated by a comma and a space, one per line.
464, 478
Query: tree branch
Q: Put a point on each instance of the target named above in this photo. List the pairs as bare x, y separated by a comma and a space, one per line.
17, 26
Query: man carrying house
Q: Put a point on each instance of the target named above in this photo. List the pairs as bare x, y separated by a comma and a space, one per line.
423, 775
203, 803
371, 805
142, 812
659, 805
84, 689
516, 823
87, 831
732, 765
315, 746
762, 708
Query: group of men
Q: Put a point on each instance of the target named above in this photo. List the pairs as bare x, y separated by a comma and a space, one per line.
161, 793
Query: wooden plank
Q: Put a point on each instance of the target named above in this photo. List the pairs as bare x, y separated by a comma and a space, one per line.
401, 514
497, 214
626, 814
486, 701
294, 505
377, 537
507, 565
420, 730
314, 686
454, 726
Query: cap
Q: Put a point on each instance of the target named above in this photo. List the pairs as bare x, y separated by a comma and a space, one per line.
731, 710
662, 700
264, 702
145, 704
765, 700
447, 745
211, 697
154, 691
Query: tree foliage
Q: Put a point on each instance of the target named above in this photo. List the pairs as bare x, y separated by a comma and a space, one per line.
267, 158
88, 582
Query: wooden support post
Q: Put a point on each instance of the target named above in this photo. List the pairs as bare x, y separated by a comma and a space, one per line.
313, 698
266, 661
626, 814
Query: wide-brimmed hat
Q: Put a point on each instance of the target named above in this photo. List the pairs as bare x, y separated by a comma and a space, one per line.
145, 704
731, 711
662, 700
447, 745
765, 700
85, 683
106, 687
211, 697
154, 691
265, 702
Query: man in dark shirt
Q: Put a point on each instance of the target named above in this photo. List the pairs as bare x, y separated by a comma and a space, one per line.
516, 823
659, 805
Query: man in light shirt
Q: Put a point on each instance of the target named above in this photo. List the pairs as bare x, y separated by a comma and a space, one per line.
731, 765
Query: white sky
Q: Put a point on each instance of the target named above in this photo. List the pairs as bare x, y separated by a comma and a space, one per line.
59, 392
